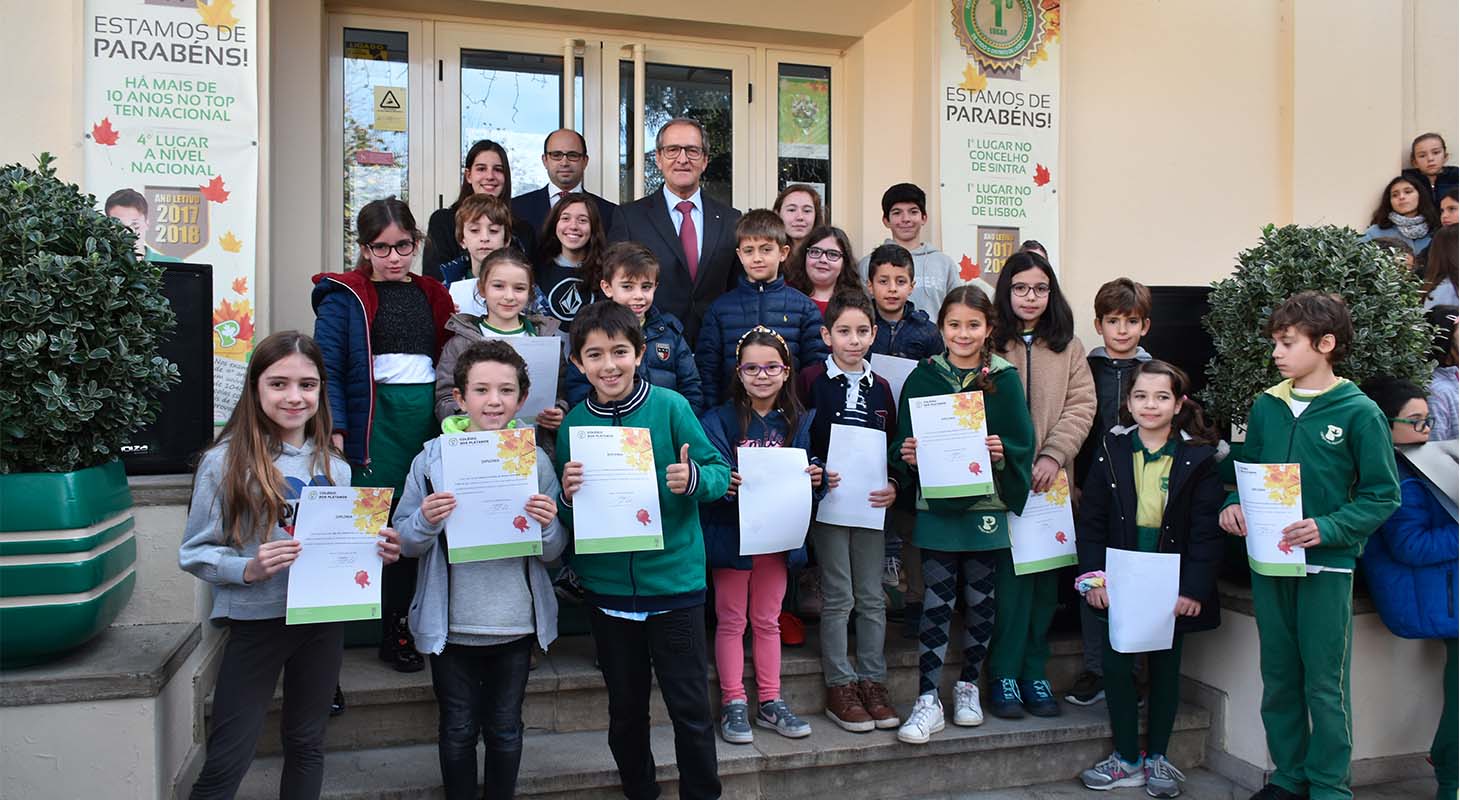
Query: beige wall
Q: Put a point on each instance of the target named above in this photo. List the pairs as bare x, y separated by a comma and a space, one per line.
43, 76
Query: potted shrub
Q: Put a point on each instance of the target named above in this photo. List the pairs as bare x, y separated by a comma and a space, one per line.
1391, 336
81, 318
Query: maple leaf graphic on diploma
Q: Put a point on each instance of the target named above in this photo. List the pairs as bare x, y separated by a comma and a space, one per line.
214, 190
104, 133
218, 13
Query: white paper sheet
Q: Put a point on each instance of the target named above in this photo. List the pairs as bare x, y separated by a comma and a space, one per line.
859, 456
492, 474
543, 355
953, 454
617, 510
1143, 588
1043, 537
337, 574
1272, 499
464, 295
895, 370
774, 499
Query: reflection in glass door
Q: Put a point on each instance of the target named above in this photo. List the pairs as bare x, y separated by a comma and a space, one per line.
516, 100
670, 91
376, 141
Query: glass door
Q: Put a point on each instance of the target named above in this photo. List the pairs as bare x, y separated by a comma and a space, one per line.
708, 84
508, 87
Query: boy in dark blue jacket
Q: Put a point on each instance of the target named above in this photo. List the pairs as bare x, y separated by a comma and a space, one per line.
903, 330
760, 298
630, 277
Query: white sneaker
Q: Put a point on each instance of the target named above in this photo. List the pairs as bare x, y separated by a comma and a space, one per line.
966, 710
925, 720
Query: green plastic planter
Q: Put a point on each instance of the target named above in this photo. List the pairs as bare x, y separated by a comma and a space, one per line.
67, 559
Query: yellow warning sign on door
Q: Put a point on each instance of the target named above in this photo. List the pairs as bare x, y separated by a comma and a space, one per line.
390, 108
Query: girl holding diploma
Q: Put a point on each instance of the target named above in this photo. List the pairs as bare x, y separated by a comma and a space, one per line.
762, 412
1153, 488
964, 542
477, 620
1035, 331
238, 538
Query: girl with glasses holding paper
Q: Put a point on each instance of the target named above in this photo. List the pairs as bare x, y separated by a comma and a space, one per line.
381, 329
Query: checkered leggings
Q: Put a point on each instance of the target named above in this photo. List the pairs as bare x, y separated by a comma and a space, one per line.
943, 574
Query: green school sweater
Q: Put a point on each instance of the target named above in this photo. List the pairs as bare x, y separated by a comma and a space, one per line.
1342, 443
654, 580
955, 524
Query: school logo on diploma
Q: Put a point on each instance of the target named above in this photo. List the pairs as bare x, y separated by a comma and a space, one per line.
1000, 35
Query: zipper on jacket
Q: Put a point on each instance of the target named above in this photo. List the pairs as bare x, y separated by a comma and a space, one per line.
1028, 373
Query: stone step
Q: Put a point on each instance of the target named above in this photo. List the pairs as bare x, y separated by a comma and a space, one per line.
565, 693
831, 763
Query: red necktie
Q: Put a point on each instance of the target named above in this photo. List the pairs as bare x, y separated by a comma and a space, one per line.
687, 236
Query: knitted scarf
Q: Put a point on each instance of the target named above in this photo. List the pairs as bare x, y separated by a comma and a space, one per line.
1413, 227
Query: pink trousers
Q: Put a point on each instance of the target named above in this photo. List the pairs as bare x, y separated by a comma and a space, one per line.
756, 594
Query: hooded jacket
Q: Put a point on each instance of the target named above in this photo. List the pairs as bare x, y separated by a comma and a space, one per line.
668, 362
1341, 442
915, 336
344, 308
957, 524
1410, 562
1111, 376
430, 611
466, 330
722, 517
770, 303
1107, 518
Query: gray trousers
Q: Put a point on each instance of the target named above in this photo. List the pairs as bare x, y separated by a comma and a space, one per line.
851, 580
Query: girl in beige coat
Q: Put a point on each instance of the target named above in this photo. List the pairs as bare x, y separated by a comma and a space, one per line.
1035, 332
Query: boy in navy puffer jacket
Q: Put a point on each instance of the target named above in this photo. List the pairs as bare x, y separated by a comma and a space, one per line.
760, 298
903, 330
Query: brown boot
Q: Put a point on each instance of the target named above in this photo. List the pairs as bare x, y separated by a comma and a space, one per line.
844, 706
878, 704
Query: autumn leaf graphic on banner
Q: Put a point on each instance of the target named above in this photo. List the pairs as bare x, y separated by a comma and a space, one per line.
972, 80
1051, 11
214, 190
517, 447
231, 244
233, 327
218, 13
1041, 175
968, 269
968, 410
104, 133
1058, 494
372, 509
240, 285
638, 449
1284, 484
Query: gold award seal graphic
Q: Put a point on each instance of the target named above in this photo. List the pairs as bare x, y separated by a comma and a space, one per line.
999, 35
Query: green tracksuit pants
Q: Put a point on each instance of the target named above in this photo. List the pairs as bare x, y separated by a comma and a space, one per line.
1123, 700
1305, 628
1024, 606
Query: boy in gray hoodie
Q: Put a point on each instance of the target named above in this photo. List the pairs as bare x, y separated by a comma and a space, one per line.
904, 213
477, 620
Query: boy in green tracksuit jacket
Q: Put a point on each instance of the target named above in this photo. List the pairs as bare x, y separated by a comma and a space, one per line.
649, 605
1305, 624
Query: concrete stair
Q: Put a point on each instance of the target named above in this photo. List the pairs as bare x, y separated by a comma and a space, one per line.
384, 744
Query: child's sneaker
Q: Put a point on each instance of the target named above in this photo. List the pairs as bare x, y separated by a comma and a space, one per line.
1088, 690
1162, 779
925, 720
1039, 699
878, 704
735, 722
775, 714
844, 707
1006, 701
966, 710
1272, 791
892, 575
1112, 773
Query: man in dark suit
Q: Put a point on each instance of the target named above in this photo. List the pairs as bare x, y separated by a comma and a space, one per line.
565, 155
691, 234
